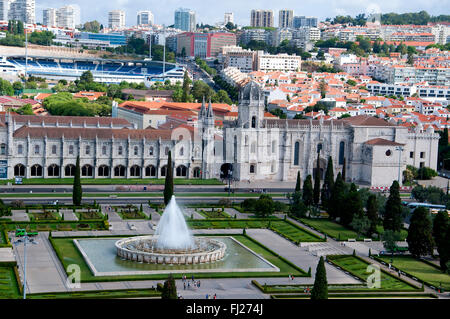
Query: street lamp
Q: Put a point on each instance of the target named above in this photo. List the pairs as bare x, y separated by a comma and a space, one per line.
24, 238
400, 149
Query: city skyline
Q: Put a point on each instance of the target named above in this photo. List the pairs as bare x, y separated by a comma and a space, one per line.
213, 14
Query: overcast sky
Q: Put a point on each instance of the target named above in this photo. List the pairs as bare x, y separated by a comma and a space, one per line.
212, 11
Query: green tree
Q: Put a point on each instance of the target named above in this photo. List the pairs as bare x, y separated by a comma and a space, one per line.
168, 186
77, 192
308, 191
390, 239
297, 184
328, 183
352, 206
316, 191
169, 290
320, 288
6, 88
372, 213
298, 207
337, 198
420, 239
440, 226
25, 110
264, 206
392, 219
185, 97
444, 255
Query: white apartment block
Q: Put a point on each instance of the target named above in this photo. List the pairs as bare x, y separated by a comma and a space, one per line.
279, 35
49, 17
233, 76
307, 34
22, 10
145, 18
391, 89
228, 17
116, 19
243, 60
441, 33
4, 9
68, 16
279, 62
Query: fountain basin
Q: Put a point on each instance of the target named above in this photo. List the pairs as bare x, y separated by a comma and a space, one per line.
145, 249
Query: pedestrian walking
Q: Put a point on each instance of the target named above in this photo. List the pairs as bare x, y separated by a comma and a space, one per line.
289, 276
192, 277
199, 284
189, 285
207, 297
215, 296
292, 277
184, 286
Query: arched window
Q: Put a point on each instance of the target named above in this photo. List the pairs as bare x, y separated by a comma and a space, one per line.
163, 170
181, 171
253, 147
274, 146
254, 122
319, 147
37, 149
119, 171
136, 151
150, 171
53, 149
150, 151
69, 170
103, 171
135, 171
272, 168
3, 149
246, 139
341, 152
88, 149
296, 153
70, 149
104, 150
19, 170
182, 151
196, 172
197, 152
166, 151
20, 149
53, 170
87, 171
252, 168
235, 148
36, 170
120, 150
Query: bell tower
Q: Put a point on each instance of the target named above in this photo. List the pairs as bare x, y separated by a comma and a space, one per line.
251, 106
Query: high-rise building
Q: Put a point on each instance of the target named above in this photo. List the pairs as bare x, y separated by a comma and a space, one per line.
116, 19
261, 18
302, 21
204, 45
4, 9
49, 17
185, 20
68, 16
22, 10
144, 18
228, 17
285, 18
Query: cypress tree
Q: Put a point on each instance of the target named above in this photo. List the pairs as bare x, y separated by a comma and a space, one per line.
169, 290
440, 226
328, 183
420, 239
308, 191
186, 88
320, 288
372, 213
77, 191
393, 209
298, 185
168, 185
444, 255
337, 198
316, 192
352, 206
343, 169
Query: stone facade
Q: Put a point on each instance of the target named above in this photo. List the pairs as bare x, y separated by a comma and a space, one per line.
374, 151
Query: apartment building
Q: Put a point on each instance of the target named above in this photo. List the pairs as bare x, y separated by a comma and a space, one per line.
185, 20
261, 18
145, 18
285, 18
116, 19
302, 21
242, 59
279, 62
228, 17
21, 10
49, 17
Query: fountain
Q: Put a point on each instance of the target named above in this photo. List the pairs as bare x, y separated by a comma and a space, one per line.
172, 243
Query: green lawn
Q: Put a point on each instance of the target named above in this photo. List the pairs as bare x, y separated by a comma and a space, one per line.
358, 267
9, 288
330, 228
51, 216
129, 293
89, 215
293, 232
114, 181
403, 232
420, 270
69, 254
125, 214
41, 226
217, 213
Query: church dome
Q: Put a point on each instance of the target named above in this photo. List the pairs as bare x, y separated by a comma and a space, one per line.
251, 91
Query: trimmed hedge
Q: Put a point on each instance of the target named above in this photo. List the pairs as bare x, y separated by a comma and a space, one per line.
375, 295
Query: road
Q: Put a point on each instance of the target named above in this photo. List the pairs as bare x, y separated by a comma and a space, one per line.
198, 73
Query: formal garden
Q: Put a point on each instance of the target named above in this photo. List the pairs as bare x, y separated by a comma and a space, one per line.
130, 212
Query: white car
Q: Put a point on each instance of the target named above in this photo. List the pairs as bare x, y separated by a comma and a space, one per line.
132, 227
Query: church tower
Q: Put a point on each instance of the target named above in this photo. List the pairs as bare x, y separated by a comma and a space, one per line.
206, 133
251, 106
